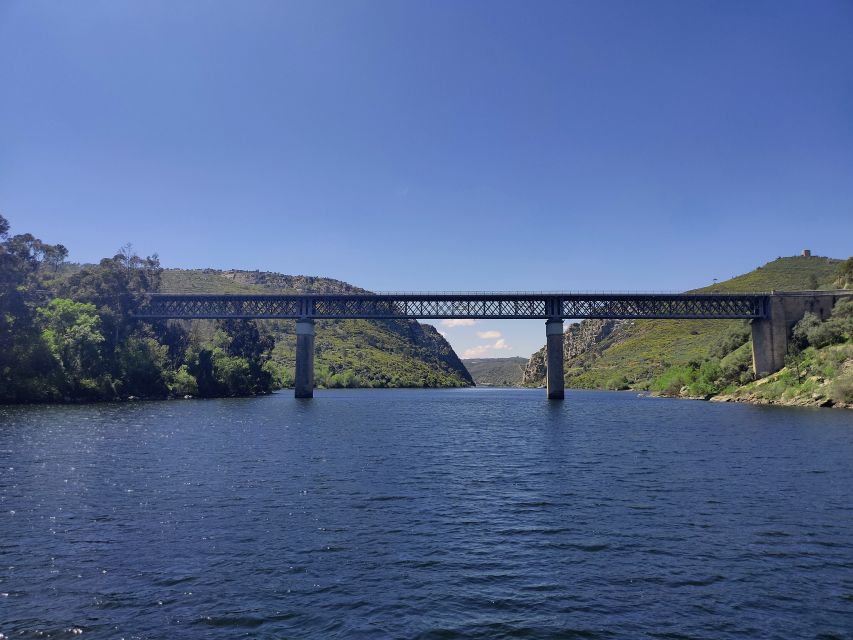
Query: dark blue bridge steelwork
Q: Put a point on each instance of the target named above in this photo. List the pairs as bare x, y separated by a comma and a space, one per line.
551, 307
433, 306
772, 315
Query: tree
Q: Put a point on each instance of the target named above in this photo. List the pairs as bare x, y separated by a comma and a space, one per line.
810, 331
21, 257
247, 343
27, 368
71, 331
813, 284
84, 343
800, 336
116, 286
235, 361
200, 365
55, 255
142, 366
28, 371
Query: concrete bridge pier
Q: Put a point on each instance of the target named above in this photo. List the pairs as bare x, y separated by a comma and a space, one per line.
554, 359
304, 384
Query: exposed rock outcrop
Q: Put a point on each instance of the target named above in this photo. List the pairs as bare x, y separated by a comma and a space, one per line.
583, 339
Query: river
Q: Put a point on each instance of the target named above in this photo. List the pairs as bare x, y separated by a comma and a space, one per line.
474, 513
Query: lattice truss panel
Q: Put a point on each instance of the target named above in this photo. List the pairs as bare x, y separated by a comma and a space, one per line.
676, 307
223, 307
351, 307
459, 306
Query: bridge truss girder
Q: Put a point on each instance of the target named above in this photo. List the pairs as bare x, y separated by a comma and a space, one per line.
449, 306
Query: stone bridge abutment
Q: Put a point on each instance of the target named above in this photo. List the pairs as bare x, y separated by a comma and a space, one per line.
772, 333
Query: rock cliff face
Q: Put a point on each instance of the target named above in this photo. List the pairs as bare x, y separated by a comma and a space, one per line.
581, 340
432, 347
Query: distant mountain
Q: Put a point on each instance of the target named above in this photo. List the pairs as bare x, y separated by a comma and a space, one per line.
496, 372
349, 353
621, 354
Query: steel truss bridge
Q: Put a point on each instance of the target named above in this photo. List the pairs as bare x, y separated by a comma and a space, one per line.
427, 306
772, 315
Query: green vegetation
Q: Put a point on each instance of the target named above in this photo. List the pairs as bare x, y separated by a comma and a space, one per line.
65, 334
793, 273
728, 365
362, 353
844, 276
704, 358
348, 353
818, 368
643, 349
821, 377
638, 352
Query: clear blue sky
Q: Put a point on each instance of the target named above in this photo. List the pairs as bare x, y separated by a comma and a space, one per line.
434, 145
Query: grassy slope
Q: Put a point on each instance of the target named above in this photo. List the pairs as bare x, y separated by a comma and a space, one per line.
647, 347
357, 352
500, 372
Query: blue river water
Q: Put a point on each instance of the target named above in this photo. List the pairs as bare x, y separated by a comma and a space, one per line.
481, 513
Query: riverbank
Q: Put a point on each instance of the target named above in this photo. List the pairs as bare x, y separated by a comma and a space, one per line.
814, 378
814, 391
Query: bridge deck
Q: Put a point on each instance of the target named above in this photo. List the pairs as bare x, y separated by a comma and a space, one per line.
456, 305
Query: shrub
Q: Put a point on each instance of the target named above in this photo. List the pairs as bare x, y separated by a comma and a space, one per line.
184, 383
842, 389
143, 363
617, 383
671, 381
733, 339
844, 277
736, 364
281, 377
345, 380
810, 331
843, 308
800, 336
825, 334
232, 372
709, 371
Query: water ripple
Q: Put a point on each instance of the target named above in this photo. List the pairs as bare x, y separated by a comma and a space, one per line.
426, 514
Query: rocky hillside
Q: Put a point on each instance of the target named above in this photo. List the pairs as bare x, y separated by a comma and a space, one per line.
606, 354
496, 372
582, 342
349, 353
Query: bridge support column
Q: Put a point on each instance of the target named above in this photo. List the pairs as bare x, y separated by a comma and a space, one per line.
554, 359
304, 385
769, 340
